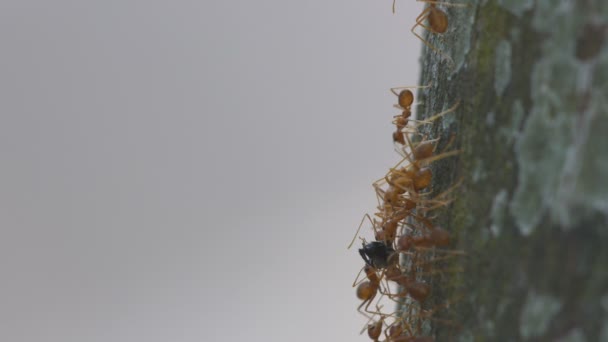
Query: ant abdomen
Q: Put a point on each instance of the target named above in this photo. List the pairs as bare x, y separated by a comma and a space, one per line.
423, 179
438, 20
418, 291
440, 237
366, 290
405, 98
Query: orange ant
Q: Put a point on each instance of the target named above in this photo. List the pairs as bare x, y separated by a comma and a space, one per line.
437, 237
394, 332
428, 145
437, 22
405, 98
368, 289
433, 237
413, 339
375, 227
419, 291
374, 329
385, 231
412, 178
398, 331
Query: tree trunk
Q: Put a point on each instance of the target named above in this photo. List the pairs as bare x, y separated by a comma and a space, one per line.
532, 124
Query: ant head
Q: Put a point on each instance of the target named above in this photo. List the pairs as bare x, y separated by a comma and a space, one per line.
376, 254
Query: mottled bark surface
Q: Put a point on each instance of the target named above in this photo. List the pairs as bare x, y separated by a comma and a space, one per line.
532, 78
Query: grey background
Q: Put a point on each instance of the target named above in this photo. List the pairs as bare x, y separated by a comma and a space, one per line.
192, 170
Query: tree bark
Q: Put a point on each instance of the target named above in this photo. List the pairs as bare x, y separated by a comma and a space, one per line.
532, 124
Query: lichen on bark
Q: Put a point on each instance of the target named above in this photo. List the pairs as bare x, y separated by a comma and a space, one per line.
532, 213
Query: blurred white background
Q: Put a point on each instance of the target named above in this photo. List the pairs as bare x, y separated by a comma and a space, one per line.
192, 170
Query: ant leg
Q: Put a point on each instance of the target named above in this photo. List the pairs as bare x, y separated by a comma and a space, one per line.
366, 325
428, 28
393, 90
439, 200
445, 3
447, 192
440, 156
366, 302
358, 229
391, 170
437, 116
427, 314
402, 151
355, 283
366, 309
433, 260
429, 45
361, 312
436, 204
408, 155
413, 146
394, 6
450, 142
424, 14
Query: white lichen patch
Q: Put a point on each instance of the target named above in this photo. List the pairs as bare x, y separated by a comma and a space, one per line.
466, 336
449, 119
458, 37
490, 119
517, 113
489, 328
604, 331
560, 152
583, 182
511, 132
540, 148
484, 236
582, 186
479, 172
515, 33
517, 7
499, 210
537, 313
576, 335
502, 67
538, 161
556, 17
503, 305
604, 302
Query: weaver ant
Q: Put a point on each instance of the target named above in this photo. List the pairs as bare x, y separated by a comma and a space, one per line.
368, 289
437, 22
398, 331
383, 232
405, 98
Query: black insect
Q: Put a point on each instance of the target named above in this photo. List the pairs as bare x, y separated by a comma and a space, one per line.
377, 254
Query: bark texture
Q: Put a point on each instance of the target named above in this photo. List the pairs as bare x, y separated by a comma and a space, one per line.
532, 213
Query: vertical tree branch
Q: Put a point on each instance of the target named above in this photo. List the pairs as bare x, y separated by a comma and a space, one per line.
533, 126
